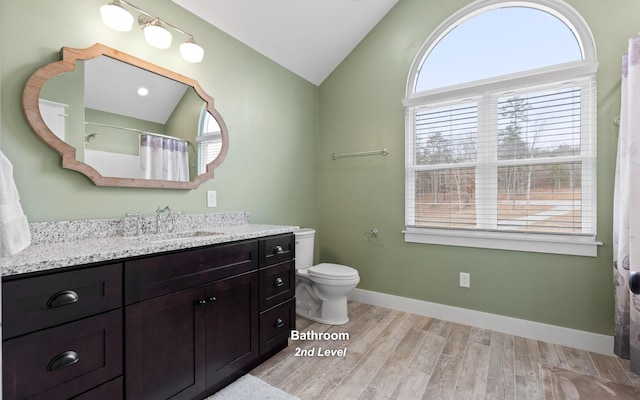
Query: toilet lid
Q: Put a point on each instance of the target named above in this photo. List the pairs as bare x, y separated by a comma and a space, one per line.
335, 271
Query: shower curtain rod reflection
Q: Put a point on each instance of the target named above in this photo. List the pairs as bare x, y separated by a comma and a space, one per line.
382, 152
124, 128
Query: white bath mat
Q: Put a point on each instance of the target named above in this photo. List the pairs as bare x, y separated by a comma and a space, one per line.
249, 387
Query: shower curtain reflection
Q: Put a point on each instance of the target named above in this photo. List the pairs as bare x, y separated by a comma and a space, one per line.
163, 158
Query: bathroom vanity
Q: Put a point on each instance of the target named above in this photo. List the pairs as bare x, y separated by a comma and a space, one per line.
175, 318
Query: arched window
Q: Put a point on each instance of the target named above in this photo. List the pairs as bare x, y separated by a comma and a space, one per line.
209, 140
500, 130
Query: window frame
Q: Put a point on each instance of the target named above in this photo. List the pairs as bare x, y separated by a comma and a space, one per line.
582, 72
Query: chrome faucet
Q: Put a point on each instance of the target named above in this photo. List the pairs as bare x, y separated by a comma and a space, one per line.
161, 216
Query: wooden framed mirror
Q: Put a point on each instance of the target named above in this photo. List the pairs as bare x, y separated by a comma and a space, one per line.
123, 121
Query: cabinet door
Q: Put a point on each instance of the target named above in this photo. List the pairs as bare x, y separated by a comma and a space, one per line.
165, 345
231, 326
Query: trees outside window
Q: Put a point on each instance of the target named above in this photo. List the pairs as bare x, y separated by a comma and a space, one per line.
509, 150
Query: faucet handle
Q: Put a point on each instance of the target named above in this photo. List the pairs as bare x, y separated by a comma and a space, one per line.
163, 212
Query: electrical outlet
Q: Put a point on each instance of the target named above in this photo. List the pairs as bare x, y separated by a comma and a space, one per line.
211, 198
465, 279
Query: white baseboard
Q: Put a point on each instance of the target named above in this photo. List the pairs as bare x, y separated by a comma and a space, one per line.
582, 340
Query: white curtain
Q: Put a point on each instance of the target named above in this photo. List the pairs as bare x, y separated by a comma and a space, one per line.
163, 158
626, 212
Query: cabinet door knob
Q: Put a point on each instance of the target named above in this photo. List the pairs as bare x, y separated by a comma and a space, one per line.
62, 298
278, 250
211, 299
279, 323
278, 282
63, 360
201, 302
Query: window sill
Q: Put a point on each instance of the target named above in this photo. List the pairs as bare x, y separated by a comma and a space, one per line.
537, 243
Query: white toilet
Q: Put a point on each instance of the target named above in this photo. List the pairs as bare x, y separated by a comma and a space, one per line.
321, 290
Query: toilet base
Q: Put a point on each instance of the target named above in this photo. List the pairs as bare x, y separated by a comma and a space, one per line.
329, 313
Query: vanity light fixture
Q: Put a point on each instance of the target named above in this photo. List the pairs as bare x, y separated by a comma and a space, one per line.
191, 51
154, 33
115, 16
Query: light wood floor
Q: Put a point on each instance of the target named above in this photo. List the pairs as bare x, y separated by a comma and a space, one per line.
397, 355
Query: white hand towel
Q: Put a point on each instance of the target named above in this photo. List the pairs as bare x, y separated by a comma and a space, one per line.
14, 227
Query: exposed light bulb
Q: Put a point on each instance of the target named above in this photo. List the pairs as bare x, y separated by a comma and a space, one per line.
143, 91
116, 17
191, 51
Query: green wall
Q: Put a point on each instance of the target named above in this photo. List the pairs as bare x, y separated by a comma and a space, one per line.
272, 116
282, 131
361, 109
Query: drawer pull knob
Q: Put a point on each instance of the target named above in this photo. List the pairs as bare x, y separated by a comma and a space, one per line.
278, 250
278, 282
63, 360
204, 302
62, 298
279, 323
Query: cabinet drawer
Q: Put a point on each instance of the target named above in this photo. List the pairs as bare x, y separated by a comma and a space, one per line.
34, 303
61, 362
159, 275
276, 249
275, 325
277, 284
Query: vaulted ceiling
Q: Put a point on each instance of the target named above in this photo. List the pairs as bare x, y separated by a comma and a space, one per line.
308, 37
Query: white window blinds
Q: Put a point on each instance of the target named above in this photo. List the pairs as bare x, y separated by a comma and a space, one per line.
209, 146
521, 161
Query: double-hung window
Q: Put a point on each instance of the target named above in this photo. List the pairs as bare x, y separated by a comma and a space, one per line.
500, 131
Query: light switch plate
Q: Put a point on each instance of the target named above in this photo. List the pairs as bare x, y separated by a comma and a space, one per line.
211, 198
465, 279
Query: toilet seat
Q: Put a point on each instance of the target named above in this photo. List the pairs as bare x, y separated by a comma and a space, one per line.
332, 271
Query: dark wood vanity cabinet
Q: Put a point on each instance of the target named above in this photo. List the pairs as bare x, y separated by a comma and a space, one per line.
181, 344
277, 292
191, 320
62, 334
177, 325
195, 320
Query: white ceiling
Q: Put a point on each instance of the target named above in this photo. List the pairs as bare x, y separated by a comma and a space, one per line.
111, 86
308, 37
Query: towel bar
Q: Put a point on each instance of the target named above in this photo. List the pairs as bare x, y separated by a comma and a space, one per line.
382, 152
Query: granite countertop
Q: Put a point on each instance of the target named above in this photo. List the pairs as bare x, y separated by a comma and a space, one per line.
66, 250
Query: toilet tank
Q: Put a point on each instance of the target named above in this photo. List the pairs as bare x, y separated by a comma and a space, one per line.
304, 247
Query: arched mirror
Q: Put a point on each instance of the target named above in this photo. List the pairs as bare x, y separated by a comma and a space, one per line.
122, 121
